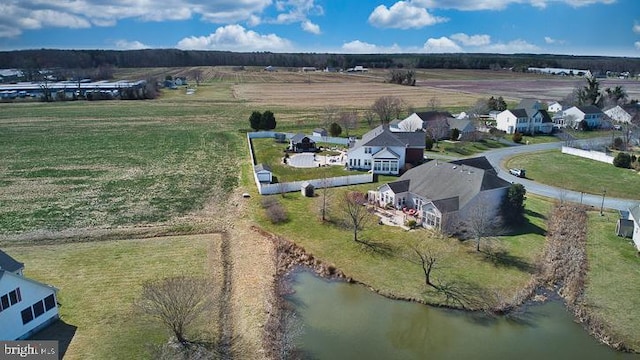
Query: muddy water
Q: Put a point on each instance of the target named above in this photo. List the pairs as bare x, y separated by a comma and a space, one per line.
345, 321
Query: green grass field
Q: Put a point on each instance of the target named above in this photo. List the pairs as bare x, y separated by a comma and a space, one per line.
578, 174
392, 273
99, 282
613, 279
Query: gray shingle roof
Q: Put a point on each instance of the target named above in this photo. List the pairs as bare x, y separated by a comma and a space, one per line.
437, 181
546, 118
528, 104
635, 212
399, 186
382, 136
8, 263
434, 115
519, 113
298, 138
262, 167
589, 109
479, 162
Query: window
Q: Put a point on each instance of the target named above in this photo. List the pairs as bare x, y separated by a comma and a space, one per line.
27, 315
4, 301
49, 302
38, 308
13, 297
367, 150
19, 295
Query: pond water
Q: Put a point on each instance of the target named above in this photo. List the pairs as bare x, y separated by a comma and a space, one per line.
346, 321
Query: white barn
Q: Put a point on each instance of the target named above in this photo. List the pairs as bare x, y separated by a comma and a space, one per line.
26, 305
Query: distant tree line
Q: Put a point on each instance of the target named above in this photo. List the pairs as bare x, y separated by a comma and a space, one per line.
91, 59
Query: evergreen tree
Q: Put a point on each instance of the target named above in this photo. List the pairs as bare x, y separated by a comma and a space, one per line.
335, 129
513, 205
255, 119
268, 121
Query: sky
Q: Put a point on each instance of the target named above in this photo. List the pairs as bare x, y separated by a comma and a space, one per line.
574, 27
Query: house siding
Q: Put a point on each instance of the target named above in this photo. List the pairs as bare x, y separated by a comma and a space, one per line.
11, 326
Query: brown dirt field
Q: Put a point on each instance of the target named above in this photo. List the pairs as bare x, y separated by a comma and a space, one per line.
352, 95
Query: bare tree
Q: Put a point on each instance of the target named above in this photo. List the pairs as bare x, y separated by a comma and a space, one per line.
353, 206
177, 302
197, 75
369, 117
434, 103
325, 196
348, 120
388, 108
427, 259
329, 115
482, 222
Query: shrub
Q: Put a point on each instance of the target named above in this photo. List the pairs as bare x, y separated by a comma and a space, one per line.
455, 134
618, 143
335, 129
276, 213
622, 160
517, 137
410, 223
428, 143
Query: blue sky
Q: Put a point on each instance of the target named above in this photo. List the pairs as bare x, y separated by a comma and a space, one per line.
576, 27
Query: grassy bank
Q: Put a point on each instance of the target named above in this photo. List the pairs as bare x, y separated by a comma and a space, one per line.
613, 280
99, 281
578, 174
503, 269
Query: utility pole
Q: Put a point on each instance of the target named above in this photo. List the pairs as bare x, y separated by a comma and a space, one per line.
604, 191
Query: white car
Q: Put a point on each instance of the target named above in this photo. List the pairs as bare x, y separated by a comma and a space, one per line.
517, 172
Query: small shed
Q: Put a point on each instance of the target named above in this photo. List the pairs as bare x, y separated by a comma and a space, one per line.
320, 132
280, 137
264, 174
307, 189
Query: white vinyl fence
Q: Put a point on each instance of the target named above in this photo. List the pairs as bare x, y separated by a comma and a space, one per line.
269, 189
589, 154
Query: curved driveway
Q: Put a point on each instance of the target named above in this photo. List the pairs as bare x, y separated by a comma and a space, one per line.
497, 156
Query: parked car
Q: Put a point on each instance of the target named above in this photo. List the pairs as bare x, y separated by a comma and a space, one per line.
517, 172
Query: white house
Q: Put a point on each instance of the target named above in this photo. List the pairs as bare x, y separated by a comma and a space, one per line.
554, 107
622, 114
589, 113
444, 194
435, 123
264, 173
26, 305
386, 152
525, 121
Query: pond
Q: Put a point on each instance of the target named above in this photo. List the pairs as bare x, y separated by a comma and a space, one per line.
346, 321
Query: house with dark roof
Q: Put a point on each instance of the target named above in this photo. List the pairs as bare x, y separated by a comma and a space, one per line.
26, 305
589, 113
385, 152
302, 143
524, 121
444, 194
634, 216
435, 123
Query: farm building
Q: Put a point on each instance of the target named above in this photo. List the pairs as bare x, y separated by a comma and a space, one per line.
26, 305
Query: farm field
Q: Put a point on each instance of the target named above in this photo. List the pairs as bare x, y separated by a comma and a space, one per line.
99, 282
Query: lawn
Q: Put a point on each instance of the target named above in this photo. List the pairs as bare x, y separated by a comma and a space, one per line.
578, 174
270, 152
98, 282
392, 273
464, 148
613, 279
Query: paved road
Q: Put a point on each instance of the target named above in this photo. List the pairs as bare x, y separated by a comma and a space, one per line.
497, 156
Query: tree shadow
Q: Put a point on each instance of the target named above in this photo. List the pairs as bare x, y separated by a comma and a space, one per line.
501, 258
527, 228
534, 214
58, 331
377, 247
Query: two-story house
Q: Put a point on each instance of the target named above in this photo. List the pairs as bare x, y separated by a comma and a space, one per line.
386, 152
524, 121
589, 113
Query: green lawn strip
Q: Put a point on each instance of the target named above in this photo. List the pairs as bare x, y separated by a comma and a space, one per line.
578, 174
99, 281
578, 134
393, 274
613, 279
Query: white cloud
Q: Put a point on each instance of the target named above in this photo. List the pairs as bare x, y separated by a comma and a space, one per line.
502, 4
130, 45
511, 47
296, 10
310, 27
360, 47
441, 45
637, 44
235, 38
19, 15
636, 28
403, 15
471, 40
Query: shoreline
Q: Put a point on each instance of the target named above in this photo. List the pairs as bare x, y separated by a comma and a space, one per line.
292, 257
